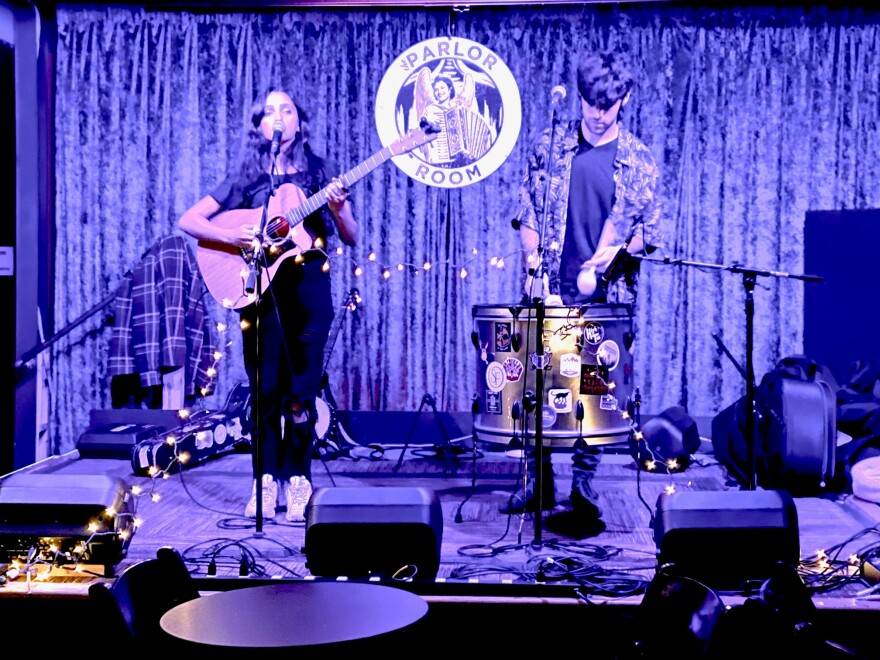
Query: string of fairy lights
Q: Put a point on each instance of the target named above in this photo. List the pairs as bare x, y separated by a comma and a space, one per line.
359, 269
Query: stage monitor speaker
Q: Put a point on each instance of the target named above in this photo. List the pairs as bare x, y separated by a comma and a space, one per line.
383, 531
65, 511
671, 435
726, 539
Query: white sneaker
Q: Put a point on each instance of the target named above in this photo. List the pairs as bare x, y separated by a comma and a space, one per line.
299, 490
270, 495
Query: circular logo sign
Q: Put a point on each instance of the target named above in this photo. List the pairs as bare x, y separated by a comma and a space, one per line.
466, 100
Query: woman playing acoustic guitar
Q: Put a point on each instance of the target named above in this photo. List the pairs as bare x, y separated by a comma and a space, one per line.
295, 310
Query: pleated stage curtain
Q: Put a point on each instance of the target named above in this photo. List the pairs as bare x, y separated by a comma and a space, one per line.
754, 116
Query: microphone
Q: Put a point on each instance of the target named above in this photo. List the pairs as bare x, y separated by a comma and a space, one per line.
617, 262
250, 282
278, 129
557, 95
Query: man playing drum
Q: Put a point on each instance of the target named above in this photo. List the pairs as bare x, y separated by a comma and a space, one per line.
603, 205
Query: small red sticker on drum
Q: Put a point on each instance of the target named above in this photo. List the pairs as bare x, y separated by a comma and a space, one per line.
593, 332
513, 369
594, 379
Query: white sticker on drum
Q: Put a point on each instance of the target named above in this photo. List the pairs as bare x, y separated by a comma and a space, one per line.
548, 417
495, 377
493, 402
560, 400
608, 354
513, 369
607, 402
593, 332
570, 365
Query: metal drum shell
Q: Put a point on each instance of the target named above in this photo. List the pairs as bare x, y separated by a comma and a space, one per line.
590, 362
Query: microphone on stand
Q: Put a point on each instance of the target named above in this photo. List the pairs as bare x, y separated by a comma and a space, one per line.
557, 95
616, 263
277, 131
250, 282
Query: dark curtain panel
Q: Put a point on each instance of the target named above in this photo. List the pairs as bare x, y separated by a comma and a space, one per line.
756, 116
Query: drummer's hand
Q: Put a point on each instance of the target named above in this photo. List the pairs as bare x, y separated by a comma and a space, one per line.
599, 262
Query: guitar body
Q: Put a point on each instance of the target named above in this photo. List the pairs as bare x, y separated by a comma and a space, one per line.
225, 267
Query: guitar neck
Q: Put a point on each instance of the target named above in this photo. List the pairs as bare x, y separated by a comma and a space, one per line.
296, 215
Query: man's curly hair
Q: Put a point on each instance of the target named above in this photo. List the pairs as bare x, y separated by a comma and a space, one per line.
605, 78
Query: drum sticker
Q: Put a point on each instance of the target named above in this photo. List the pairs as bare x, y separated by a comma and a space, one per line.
593, 332
484, 352
548, 417
560, 400
594, 379
495, 377
570, 365
608, 354
493, 402
502, 337
607, 402
513, 368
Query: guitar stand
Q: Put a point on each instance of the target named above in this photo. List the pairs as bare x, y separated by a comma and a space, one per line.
442, 449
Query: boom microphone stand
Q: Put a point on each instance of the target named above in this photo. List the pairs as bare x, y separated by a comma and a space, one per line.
749, 279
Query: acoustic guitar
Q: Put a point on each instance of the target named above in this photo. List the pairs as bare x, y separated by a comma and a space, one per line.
229, 272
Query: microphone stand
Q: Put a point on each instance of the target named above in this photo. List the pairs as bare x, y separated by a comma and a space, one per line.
749, 279
256, 266
539, 361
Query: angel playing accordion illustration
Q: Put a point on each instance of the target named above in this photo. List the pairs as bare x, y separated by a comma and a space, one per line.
465, 136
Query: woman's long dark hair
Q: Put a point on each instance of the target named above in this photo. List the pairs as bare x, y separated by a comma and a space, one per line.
255, 156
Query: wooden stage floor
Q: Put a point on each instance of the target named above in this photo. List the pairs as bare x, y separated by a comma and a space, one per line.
487, 559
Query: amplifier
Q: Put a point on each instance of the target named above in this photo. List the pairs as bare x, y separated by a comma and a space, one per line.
115, 440
114, 433
89, 516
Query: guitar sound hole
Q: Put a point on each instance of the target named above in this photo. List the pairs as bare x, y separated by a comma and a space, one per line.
278, 227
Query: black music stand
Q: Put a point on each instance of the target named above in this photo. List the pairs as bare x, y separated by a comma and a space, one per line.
445, 449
